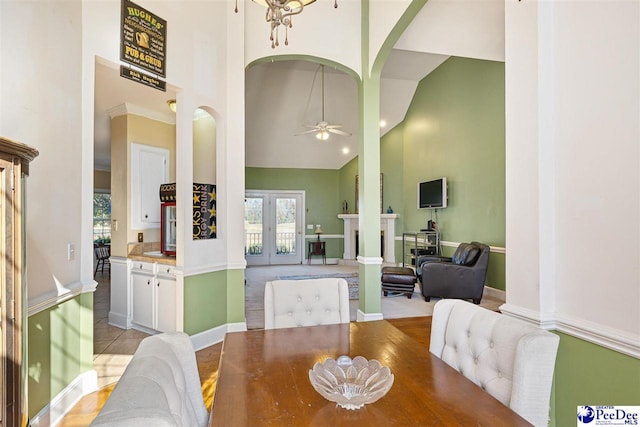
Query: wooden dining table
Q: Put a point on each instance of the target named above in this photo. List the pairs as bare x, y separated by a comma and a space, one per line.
263, 380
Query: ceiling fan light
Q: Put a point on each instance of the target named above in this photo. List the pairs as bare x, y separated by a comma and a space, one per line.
323, 135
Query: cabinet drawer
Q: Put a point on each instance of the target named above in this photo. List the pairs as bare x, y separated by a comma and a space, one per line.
166, 270
142, 266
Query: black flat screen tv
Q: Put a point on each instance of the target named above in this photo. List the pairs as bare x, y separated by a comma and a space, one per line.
432, 194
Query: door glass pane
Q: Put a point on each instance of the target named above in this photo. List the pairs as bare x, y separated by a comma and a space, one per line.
101, 218
285, 226
253, 225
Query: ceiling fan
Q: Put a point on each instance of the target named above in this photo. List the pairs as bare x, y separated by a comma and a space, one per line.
323, 128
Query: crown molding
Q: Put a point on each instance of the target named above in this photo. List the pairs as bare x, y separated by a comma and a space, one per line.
128, 108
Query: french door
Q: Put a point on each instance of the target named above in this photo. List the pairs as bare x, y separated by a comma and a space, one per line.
274, 227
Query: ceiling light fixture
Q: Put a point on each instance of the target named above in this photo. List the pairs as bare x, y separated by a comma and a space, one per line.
323, 135
383, 123
172, 105
323, 128
280, 12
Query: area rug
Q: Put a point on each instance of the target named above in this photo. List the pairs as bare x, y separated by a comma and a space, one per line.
352, 280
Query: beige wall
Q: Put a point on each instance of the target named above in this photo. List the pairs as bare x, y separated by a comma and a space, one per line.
119, 187
125, 130
101, 180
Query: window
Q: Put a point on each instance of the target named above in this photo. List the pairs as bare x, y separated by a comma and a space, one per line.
101, 218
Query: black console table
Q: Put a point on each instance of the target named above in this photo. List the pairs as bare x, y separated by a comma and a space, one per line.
316, 247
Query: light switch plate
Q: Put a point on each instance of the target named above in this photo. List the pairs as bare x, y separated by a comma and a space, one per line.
309, 226
71, 251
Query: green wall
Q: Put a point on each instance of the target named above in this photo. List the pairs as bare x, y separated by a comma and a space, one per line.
60, 348
588, 374
347, 185
392, 169
323, 200
455, 127
213, 299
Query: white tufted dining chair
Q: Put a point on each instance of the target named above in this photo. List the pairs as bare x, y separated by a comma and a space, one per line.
510, 359
308, 302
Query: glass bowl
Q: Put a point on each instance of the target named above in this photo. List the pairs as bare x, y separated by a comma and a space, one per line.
351, 383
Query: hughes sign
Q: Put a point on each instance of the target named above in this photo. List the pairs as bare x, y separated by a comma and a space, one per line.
143, 41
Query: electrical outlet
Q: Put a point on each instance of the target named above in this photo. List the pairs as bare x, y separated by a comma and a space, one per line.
71, 251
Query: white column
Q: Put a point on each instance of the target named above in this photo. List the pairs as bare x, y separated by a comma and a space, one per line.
389, 227
349, 244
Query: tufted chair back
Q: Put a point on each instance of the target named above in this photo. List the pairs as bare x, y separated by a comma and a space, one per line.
310, 302
510, 359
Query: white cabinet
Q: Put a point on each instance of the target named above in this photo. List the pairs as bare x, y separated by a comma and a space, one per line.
165, 304
153, 296
149, 169
142, 300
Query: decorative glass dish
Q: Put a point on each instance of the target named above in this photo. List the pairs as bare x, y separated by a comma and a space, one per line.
351, 383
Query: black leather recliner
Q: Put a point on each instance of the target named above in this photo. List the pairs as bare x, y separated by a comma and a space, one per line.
461, 276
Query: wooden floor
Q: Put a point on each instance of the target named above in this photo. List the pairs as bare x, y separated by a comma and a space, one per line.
419, 328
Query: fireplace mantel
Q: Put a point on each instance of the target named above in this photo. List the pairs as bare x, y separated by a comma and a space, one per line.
387, 226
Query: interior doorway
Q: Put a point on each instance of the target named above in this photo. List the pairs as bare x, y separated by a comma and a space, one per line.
273, 227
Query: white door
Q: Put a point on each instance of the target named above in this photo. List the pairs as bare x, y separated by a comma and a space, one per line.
274, 227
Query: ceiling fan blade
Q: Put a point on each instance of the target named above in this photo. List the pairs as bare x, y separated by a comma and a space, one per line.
339, 132
306, 132
323, 127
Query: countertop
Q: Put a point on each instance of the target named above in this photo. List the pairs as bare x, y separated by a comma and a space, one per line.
160, 259
140, 252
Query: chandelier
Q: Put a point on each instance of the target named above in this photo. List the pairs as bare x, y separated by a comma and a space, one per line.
280, 12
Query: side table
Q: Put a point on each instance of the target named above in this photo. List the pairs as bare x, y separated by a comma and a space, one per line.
316, 247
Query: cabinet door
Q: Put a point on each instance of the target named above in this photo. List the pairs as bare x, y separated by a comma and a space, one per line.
149, 169
142, 299
165, 304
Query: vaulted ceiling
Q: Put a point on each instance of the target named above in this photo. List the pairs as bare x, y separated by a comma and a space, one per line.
282, 97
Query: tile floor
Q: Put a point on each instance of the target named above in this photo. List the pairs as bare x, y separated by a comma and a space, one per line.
112, 347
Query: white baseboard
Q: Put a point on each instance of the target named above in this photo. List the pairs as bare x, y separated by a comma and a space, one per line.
119, 320
318, 261
237, 327
368, 317
55, 410
215, 335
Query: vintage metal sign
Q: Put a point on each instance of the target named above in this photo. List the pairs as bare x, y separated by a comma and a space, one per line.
144, 78
204, 211
143, 40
